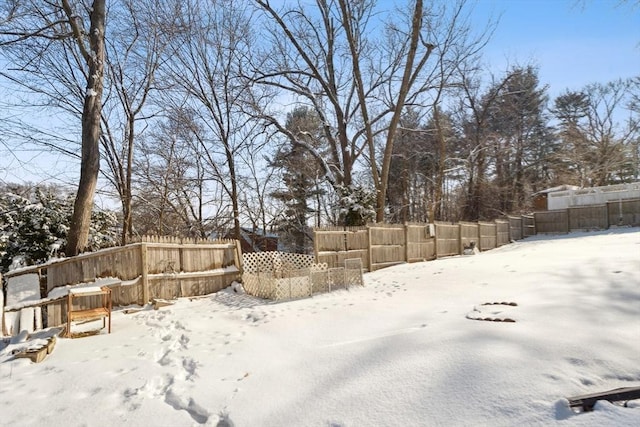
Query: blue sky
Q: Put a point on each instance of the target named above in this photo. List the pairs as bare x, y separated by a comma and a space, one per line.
573, 42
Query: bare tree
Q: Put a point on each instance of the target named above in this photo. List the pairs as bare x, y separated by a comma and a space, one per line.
474, 109
207, 70
520, 137
30, 31
172, 192
135, 49
256, 204
413, 169
599, 130
359, 85
308, 60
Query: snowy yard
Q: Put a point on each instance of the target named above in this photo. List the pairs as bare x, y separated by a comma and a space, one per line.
401, 351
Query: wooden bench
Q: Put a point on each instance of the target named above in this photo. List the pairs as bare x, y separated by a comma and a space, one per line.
587, 401
102, 312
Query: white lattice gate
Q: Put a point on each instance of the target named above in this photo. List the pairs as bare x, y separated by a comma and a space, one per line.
282, 276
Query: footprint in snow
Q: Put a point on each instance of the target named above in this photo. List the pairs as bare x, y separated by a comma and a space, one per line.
197, 412
493, 312
224, 420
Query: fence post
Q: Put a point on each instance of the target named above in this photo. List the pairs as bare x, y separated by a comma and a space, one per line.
2, 327
315, 244
145, 268
406, 242
370, 248
435, 240
496, 230
181, 257
239, 260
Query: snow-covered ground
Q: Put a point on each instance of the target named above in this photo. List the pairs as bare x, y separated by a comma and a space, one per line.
402, 351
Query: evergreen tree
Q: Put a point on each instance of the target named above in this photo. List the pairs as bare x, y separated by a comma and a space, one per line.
521, 139
301, 177
34, 225
357, 205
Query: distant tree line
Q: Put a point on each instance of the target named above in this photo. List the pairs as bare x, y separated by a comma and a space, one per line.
207, 116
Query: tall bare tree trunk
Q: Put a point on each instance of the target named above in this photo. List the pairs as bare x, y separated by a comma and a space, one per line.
408, 78
435, 211
94, 57
127, 197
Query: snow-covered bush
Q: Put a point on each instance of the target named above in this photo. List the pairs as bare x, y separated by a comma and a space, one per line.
33, 228
357, 205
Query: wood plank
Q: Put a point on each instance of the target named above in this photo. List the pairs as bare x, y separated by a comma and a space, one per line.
91, 313
587, 401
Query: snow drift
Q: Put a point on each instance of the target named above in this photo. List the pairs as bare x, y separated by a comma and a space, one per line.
401, 351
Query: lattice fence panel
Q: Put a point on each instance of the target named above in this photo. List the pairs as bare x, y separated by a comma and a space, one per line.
319, 280
353, 272
336, 278
277, 262
259, 285
258, 262
279, 276
289, 261
297, 286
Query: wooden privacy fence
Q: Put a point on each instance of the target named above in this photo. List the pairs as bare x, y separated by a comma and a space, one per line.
333, 245
596, 217
155, 268
383, 245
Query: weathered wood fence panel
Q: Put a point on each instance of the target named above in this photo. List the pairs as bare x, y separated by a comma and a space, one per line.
122, 262
515, 227
502, 232
528, 226
624, 212
421, 246
469, 232
387, 245
488, 236
588, 218
552, 221
447, 239
170, 258
56, 313
334, 245
163, 258
127, 293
